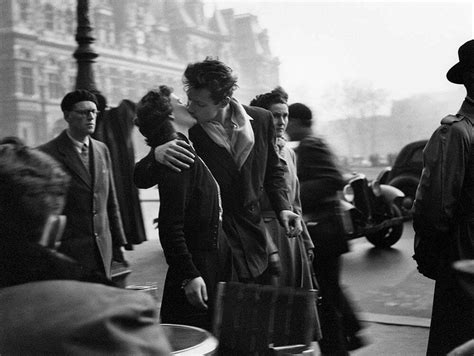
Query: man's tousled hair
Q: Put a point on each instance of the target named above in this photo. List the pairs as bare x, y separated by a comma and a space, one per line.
213, 75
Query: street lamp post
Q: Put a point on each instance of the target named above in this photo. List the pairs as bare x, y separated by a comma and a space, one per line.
84, 54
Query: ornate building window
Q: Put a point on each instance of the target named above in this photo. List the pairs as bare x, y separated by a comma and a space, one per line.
55, 89
70, 21
72, 82
24, 10
27, 81
130, 88
49, 17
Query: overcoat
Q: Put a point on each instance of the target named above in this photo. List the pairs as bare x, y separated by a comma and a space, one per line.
115, 128
93, 218
444, 209
190, 230
296, 271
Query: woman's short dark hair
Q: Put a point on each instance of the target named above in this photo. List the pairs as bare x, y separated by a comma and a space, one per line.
28, 179
213, 75
153, 116
76, 96
276, 96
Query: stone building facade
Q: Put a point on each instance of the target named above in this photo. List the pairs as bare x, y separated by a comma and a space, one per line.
141, 44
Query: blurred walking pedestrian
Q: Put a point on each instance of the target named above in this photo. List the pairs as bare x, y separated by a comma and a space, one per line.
320, 181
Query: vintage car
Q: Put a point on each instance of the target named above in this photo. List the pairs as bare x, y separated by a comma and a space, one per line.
406, 171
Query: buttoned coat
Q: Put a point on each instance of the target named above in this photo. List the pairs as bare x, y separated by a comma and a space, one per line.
93, 216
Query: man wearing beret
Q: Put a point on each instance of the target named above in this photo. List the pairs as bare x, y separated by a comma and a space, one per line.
94, 232
444, 213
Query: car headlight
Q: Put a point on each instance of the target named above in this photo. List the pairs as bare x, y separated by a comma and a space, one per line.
348, 193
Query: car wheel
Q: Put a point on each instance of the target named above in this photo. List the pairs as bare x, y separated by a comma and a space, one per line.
390, 235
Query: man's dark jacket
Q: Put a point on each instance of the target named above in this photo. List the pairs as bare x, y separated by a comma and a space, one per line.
93, 225
241, 190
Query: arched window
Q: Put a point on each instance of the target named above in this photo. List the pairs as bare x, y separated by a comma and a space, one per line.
49, 17
54, 86
70, 21
27, 81
24, 10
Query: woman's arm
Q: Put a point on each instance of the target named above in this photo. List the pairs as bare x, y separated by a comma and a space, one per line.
175, 190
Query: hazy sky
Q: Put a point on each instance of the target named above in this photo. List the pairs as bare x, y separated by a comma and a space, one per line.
402, 47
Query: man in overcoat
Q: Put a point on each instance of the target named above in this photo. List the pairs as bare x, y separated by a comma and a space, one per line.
320, 181
94, 233
115, 128
237, 143
444, 210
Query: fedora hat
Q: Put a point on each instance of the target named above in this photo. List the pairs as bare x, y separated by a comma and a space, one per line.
466, 61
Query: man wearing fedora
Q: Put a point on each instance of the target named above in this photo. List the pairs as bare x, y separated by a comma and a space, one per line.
444, 211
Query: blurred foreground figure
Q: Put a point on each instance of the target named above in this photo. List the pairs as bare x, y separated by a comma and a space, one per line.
49, 304
320, 181
444, 214
94, 232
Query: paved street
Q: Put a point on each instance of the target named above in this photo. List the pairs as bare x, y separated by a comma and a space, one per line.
394, 300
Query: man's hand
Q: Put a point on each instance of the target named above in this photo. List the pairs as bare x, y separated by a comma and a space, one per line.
310, 254
291, 222
196, 292
174, 154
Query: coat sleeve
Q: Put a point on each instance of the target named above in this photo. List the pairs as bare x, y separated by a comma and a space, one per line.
113, 210
445, 158
318, 173
308, 243
174, 189
275, 185
145, 171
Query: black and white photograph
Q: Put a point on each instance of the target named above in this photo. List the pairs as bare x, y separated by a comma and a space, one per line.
236, 177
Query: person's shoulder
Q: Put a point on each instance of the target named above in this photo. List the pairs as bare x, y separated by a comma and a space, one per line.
99, 144
68, 292
451, 119
455, 125
85, 311
313, 141
52, 144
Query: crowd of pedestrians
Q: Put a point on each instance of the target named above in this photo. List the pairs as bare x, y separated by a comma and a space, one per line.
237, 204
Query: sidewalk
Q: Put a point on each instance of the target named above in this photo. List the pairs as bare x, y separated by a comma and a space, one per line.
387, 334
